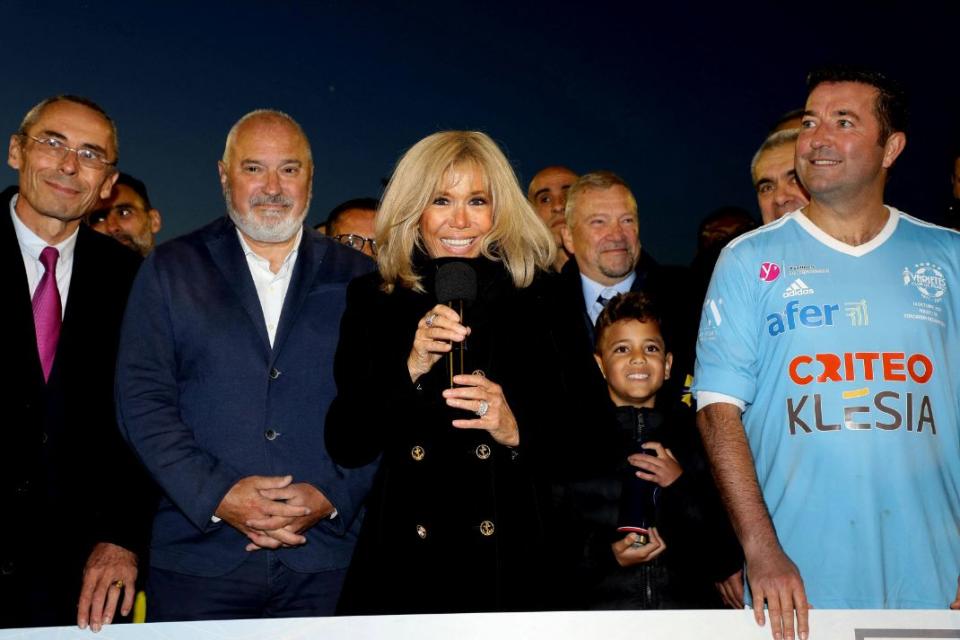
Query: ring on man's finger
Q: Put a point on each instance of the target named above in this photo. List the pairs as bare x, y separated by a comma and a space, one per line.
483, 408
430, 319
118, 584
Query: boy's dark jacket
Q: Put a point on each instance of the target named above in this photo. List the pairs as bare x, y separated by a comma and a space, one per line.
701, 546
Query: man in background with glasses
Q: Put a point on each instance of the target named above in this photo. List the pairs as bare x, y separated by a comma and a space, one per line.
75, 496
352, 223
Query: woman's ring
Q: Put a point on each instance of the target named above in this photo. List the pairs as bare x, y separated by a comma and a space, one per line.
483, 408
430, 319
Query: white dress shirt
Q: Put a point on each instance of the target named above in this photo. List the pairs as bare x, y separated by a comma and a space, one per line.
30, 247
271, 287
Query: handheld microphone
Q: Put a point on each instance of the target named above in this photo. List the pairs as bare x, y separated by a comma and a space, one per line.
638, 498
456, 287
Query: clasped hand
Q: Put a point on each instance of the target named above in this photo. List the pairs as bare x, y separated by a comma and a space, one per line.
272, 511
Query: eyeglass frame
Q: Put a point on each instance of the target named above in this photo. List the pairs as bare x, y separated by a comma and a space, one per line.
365, 240
46, 148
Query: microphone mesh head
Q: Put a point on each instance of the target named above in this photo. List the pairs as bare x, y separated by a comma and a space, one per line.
456, 281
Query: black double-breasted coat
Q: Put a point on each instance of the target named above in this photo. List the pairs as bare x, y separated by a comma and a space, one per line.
456, 522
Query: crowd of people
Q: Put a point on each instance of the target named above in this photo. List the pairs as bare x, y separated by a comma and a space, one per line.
461, 397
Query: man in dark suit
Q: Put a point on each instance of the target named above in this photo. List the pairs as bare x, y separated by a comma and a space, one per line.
72, 491
602, 233
224, 379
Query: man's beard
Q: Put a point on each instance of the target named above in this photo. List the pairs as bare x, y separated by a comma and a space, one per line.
140, 245
270, 227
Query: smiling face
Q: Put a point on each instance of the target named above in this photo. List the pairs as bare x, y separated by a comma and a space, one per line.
839, 151
775, 179
605, 235
633, 359
62, 188
266, 178
459, 215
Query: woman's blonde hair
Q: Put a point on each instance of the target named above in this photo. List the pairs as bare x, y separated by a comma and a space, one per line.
518, 238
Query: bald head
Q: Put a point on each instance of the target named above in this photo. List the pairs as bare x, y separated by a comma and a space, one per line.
266, 175
264, 118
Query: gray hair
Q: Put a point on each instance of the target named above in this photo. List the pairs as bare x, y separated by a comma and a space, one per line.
774, 140
36, 111
595, 180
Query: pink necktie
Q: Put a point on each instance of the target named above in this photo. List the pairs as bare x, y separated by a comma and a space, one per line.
47, 314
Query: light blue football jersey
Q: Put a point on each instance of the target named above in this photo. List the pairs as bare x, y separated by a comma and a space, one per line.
848, 361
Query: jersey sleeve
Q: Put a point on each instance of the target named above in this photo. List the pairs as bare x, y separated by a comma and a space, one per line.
727, 342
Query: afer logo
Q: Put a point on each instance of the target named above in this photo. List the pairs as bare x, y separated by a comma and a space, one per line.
810, 316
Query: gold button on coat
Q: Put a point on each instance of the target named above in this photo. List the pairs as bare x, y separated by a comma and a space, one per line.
486, 528
417, 453
421, 531
483, 452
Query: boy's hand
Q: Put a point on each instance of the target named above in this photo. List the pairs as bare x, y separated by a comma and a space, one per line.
662, 469
627, 555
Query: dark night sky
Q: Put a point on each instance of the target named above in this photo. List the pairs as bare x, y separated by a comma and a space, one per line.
674, 99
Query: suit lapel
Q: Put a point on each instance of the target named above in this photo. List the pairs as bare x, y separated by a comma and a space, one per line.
227, 255
309, 258
19, 294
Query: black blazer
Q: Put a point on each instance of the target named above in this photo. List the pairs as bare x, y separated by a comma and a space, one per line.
68, 480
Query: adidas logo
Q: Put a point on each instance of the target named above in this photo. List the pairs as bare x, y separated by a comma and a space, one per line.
797, 288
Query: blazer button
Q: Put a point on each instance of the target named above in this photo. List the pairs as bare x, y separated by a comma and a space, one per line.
43, 438
23, 487
482, 452
417, 453
274, 373
8, 568
422, 531
486, 528
270, 434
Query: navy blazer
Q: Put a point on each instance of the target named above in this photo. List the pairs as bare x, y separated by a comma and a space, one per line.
205, 401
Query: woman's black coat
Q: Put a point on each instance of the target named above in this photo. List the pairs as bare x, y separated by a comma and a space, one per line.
455, 522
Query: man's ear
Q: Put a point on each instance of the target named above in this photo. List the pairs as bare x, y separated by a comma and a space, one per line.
893, 148
107, 187
14, 152
567, 239
155, 220
667, 364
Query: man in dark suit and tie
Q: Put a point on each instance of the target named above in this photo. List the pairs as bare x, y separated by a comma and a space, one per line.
75, 498
224, 379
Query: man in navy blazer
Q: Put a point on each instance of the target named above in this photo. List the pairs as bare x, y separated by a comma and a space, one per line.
224, 377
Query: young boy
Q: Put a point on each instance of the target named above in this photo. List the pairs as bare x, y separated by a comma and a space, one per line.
690, 545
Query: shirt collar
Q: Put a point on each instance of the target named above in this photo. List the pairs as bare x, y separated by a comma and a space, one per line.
592, 289
32, 244
263, 262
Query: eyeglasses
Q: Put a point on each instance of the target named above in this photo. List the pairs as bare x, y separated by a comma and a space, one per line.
354, 241
55, 148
